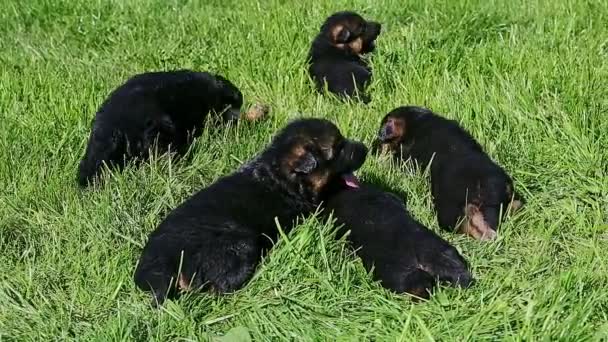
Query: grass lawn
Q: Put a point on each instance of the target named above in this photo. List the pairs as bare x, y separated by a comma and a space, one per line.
529, 79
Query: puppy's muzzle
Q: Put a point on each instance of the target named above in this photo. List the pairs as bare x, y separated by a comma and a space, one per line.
372, 32
374, 29
387, 132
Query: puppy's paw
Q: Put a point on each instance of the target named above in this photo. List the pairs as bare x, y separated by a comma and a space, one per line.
475, 224
256, 112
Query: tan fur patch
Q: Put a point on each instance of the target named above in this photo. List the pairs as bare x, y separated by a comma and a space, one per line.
183, 283
398, 128
475, 225
398, 132
318, 180
335, 31
296, 153
319, 177
256, 112
356, 45
514, 206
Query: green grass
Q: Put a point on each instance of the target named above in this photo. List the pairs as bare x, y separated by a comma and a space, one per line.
529, 79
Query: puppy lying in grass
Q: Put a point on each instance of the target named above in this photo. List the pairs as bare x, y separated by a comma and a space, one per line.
405, 256
335, 58
156, 110
215, 239
470, 191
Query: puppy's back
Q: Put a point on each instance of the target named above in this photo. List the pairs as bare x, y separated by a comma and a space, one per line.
463, 176
437, 138
405, 255
173, 92
155, 109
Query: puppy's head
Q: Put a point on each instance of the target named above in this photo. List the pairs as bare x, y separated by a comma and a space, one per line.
395, 126
311, 153
350, 32
228, 99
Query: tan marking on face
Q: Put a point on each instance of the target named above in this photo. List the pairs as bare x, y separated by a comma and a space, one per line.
356, 45
387, 148
398, 132
318, 180
398, 128
474, 224
291, 159
326, 146
335, 31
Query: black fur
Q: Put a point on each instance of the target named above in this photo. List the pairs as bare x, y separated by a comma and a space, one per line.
405, 255
335, 55
221, 232
466, 183
169, 108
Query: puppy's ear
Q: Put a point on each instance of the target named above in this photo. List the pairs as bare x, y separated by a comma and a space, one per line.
305, 164
340, 34
220, 81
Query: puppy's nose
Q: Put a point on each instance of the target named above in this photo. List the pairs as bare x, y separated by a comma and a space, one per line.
386, 132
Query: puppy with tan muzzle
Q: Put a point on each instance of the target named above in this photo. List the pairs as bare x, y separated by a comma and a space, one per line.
470, 191
215, 239
336, 56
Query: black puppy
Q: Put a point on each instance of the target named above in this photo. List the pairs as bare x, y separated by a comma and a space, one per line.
215, 239
405, 255
466, 182
155, 109
335, 55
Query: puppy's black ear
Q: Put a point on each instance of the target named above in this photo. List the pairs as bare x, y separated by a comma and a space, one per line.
342, 35
220, 81
305, 164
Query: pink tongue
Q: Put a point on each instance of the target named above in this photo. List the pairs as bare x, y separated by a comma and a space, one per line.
351, 180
